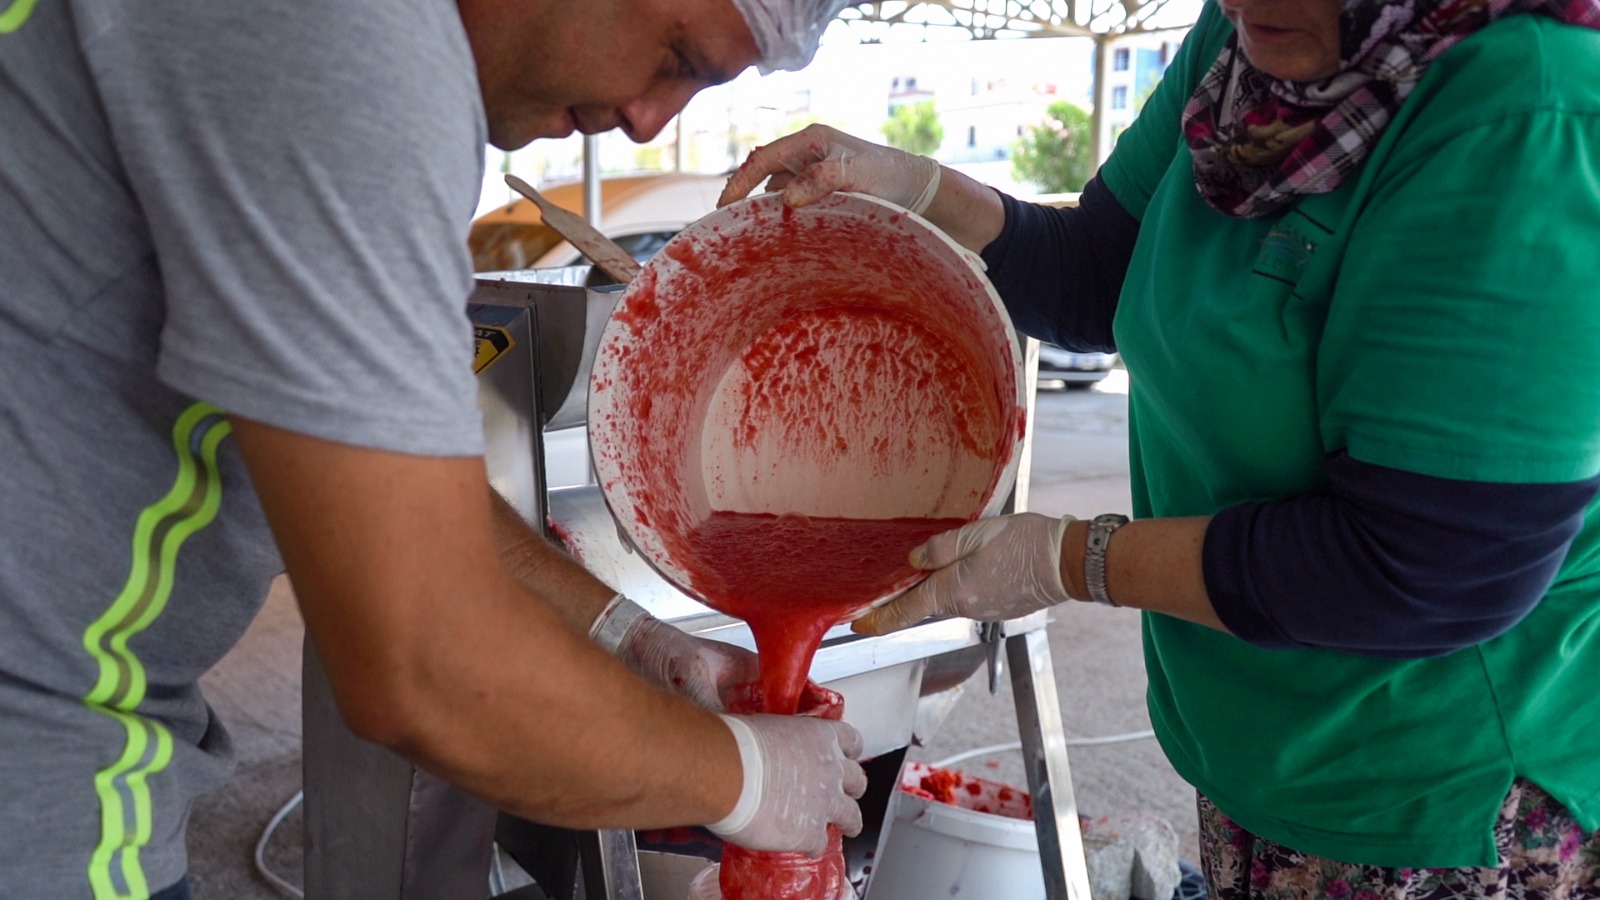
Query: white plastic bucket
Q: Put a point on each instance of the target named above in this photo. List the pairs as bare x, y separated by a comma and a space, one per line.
844, 360
941, 850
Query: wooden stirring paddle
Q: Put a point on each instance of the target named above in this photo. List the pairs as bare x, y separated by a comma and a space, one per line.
600, 250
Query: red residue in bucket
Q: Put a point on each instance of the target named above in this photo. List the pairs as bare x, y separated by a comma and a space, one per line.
860, 347
793, 577
564, 535
954, 788
856, 369
787, 359
641, 307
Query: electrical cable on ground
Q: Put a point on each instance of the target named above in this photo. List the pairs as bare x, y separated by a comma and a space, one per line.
261, 847
1071, 742
1124, 738
497, 873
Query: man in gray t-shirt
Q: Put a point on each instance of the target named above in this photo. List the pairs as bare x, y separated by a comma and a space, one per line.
232, 283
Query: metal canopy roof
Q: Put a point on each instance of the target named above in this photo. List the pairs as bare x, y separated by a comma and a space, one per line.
986, 19
1102, 20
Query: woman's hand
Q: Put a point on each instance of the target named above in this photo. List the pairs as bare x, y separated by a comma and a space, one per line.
808, 165
992, 569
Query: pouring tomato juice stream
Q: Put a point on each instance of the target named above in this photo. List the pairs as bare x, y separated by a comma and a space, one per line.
793, 576
848, 392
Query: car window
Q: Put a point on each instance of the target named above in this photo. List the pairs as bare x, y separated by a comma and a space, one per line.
639, 246
643, 246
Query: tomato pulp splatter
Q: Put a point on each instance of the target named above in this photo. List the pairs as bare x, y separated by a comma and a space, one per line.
955, 788
793, 577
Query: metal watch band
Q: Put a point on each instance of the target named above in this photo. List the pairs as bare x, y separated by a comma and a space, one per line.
1094, 556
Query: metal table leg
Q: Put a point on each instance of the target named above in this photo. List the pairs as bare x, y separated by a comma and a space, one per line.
376, 826
1044, 752
610, 865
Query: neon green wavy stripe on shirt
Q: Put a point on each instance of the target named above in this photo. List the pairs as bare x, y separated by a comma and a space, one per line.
15, 14
115, 872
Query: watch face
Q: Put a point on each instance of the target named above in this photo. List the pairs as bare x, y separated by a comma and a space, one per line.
1100, 529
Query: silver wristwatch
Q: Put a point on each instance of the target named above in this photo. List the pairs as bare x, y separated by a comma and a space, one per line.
1094, 556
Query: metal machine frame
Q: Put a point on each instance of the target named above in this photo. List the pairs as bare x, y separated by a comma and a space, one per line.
375, 826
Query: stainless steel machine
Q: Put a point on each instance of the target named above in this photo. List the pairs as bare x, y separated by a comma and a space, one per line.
377, 827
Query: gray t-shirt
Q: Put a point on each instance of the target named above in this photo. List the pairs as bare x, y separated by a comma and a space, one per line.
205, 208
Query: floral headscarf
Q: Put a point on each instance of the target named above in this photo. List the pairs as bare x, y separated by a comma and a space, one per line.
1260, 143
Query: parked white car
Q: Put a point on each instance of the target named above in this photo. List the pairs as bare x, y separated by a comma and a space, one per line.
1072, 369
639, 212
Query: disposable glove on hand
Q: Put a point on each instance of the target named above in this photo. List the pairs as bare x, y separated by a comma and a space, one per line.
992, 569
810, 164
702, 670
800, 776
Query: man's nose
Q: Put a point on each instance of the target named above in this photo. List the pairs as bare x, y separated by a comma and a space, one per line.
644, 117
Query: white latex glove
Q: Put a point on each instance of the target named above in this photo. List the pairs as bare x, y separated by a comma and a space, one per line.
992, 569
810, 164
699, 669
800, 776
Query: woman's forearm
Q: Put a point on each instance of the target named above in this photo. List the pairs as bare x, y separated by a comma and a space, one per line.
1385, 562
971, 213
1151, 564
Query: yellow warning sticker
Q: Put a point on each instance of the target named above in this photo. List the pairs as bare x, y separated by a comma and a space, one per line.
490, 342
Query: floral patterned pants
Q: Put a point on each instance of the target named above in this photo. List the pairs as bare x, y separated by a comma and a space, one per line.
1544, 854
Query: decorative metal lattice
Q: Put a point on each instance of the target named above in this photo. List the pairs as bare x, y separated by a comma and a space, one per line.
985, 19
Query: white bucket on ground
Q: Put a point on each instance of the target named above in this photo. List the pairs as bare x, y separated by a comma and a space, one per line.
938, 850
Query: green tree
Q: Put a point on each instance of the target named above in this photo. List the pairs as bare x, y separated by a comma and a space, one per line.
649, 158
915, 128
1145, 95
1056, 155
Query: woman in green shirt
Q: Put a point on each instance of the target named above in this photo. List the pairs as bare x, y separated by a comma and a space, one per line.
1367, 548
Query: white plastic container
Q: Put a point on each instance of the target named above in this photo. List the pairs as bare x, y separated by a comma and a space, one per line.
940, 850
843, 360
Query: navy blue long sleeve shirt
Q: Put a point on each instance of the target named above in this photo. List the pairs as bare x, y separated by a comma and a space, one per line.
1383, 561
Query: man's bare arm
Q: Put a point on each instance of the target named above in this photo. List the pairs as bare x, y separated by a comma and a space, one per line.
434, 649
545, 570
